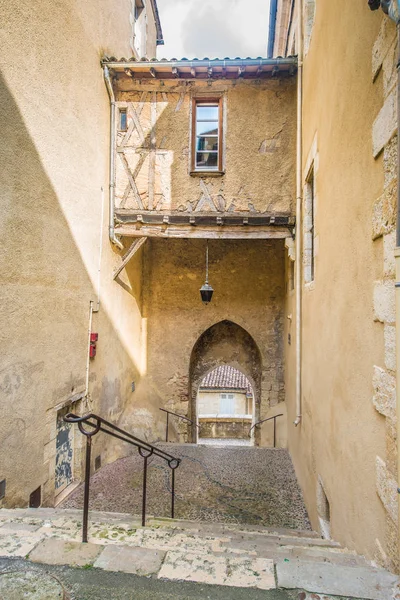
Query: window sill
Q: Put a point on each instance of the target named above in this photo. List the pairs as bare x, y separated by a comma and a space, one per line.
207, 173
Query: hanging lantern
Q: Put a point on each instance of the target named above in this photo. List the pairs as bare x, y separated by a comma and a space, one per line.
206, 291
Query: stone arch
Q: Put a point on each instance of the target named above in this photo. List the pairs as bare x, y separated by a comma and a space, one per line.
225, 343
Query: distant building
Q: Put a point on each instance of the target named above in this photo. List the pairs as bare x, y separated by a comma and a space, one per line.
225, 404
225, 391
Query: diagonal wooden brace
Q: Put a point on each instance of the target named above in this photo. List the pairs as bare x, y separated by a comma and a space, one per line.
127, 257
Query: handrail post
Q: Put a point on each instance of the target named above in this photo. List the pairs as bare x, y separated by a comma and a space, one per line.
173, 494
166, 434
145, 450
274, 432
86, 496
144, 492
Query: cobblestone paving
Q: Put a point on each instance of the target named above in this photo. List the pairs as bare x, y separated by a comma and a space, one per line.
224, 484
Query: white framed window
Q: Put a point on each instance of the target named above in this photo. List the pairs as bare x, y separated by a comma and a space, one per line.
227, 404
207, 135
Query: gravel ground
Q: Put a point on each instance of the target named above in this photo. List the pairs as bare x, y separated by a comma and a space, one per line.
224, 484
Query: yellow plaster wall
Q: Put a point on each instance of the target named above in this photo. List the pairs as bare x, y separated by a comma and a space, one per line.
248, 279
259, 138
341, 433
54, 191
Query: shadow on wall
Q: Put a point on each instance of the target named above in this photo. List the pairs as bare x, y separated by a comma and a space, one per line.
43, 314
225, 343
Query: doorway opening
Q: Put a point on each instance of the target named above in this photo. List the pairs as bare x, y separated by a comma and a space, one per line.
225, 350
225, 407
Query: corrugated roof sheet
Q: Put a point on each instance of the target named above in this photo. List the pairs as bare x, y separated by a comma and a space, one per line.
227, 378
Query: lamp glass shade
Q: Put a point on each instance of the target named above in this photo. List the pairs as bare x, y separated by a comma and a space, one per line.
206, 292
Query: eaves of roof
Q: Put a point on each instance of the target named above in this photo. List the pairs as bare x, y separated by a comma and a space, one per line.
205, 68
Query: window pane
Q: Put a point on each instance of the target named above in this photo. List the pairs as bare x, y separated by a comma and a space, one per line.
206, 159
207, 128
207, 113
122, 120
207, 143
227, 406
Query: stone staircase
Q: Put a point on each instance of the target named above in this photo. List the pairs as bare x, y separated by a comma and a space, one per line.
225, 554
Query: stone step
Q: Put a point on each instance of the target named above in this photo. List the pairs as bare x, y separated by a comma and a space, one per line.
186, 524
189, 551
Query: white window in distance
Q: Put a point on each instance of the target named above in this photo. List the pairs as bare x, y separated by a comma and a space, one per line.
227, 404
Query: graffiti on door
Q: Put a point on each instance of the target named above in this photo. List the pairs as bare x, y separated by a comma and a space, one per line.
64, 452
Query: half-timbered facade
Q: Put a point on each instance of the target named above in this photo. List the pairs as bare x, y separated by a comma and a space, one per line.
242, 185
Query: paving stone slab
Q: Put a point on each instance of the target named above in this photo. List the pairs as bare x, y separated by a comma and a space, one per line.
18, 527
35, 586
338, 580
129, 559
234, 571
18, 545
52, 551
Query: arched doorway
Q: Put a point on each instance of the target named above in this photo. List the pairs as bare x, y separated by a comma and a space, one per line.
225, 343
225, 408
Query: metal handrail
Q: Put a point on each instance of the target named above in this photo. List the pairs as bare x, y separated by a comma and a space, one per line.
169, 412
264, 421
145, 450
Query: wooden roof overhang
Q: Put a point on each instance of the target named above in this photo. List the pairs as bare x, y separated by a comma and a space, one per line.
227, 68
130, 223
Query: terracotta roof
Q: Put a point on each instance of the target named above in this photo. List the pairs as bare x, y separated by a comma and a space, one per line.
226, 378
204, 68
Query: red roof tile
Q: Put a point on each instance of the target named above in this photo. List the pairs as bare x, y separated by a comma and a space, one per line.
226, 378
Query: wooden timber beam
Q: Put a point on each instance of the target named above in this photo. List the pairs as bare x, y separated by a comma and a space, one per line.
127, 257
246, 232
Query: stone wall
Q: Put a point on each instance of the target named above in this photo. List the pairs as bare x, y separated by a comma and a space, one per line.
233, 428
247, 306
384, 148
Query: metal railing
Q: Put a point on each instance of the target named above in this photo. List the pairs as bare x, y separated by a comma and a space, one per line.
144, 448
264, 421
169, 412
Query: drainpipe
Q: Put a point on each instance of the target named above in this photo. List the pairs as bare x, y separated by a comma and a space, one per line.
110, 90
273, 9
299, 178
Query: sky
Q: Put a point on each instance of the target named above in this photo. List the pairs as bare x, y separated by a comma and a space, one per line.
213, 28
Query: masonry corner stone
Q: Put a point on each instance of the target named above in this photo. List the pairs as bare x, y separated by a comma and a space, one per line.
384, 398
384, 301
384, 212
385, 124
385, 39
390, 347
387, 489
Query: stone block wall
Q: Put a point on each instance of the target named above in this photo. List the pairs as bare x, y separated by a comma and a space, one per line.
384, 148
233, 428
